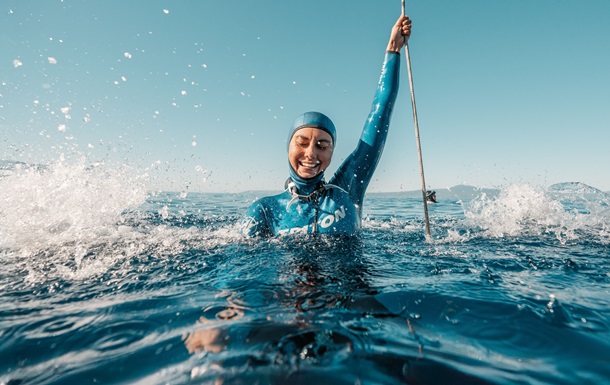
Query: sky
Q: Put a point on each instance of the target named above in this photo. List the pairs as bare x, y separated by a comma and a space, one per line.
199, 95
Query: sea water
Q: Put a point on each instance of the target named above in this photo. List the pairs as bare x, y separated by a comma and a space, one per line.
104, 282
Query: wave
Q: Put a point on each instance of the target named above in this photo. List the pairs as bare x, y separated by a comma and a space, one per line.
76, 221
566, 212
522, 210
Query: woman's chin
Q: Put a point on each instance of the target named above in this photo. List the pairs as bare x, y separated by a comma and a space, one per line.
308, 174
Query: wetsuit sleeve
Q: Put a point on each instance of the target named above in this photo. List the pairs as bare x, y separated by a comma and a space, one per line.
256, 223
357, 170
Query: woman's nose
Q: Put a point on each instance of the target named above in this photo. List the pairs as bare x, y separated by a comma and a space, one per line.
310, 151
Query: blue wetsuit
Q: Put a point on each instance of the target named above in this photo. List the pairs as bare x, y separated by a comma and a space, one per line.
313, 206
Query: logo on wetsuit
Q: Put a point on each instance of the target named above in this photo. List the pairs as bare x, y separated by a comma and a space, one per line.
324, 222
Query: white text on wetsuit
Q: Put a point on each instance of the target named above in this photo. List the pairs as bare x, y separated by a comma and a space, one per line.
324, 222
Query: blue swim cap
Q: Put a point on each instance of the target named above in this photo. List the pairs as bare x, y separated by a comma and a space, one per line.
315, 120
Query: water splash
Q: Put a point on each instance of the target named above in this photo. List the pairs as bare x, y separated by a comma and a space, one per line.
522, 210
64, 203
76, 221
54, 214
567, 212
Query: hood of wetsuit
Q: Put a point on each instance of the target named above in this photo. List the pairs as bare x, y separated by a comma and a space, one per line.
305, 185
316, 120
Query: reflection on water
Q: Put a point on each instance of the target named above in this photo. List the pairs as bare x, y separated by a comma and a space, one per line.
324, 317
310, 278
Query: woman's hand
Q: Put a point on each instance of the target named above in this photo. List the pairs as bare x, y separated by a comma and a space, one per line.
400, 34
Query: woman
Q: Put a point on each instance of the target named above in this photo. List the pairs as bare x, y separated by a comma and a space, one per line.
309, 204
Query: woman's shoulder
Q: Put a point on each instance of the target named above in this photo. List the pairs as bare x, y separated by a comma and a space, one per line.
270, 201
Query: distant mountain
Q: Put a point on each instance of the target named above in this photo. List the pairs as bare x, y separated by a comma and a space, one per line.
575, 191
468, 192
574, 188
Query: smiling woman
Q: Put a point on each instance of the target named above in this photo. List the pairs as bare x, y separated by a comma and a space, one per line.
310, 151
309, 204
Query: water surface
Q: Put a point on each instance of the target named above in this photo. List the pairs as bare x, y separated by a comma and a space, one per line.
104, 282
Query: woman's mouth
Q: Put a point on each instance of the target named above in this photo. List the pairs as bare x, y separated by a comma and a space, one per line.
310, 164
309, 168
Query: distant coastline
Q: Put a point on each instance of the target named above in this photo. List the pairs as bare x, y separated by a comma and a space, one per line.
458, 191
461, 191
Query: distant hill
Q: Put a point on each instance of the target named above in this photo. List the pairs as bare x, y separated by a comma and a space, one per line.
574, 188
455, 192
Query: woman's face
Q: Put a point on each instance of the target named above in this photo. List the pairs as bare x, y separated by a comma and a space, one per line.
310, 151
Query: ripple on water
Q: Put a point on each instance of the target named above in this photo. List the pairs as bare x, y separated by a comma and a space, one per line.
254, 298
57, 326
122, 335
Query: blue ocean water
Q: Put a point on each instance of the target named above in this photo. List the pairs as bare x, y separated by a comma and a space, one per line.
104, 282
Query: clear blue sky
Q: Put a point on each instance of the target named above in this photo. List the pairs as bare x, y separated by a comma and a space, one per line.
507, 91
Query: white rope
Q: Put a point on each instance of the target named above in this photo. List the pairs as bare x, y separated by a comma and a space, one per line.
421, 162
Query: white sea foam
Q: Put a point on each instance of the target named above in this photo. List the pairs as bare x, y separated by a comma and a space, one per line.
62, 202
521, 210
76, 221
566, 211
